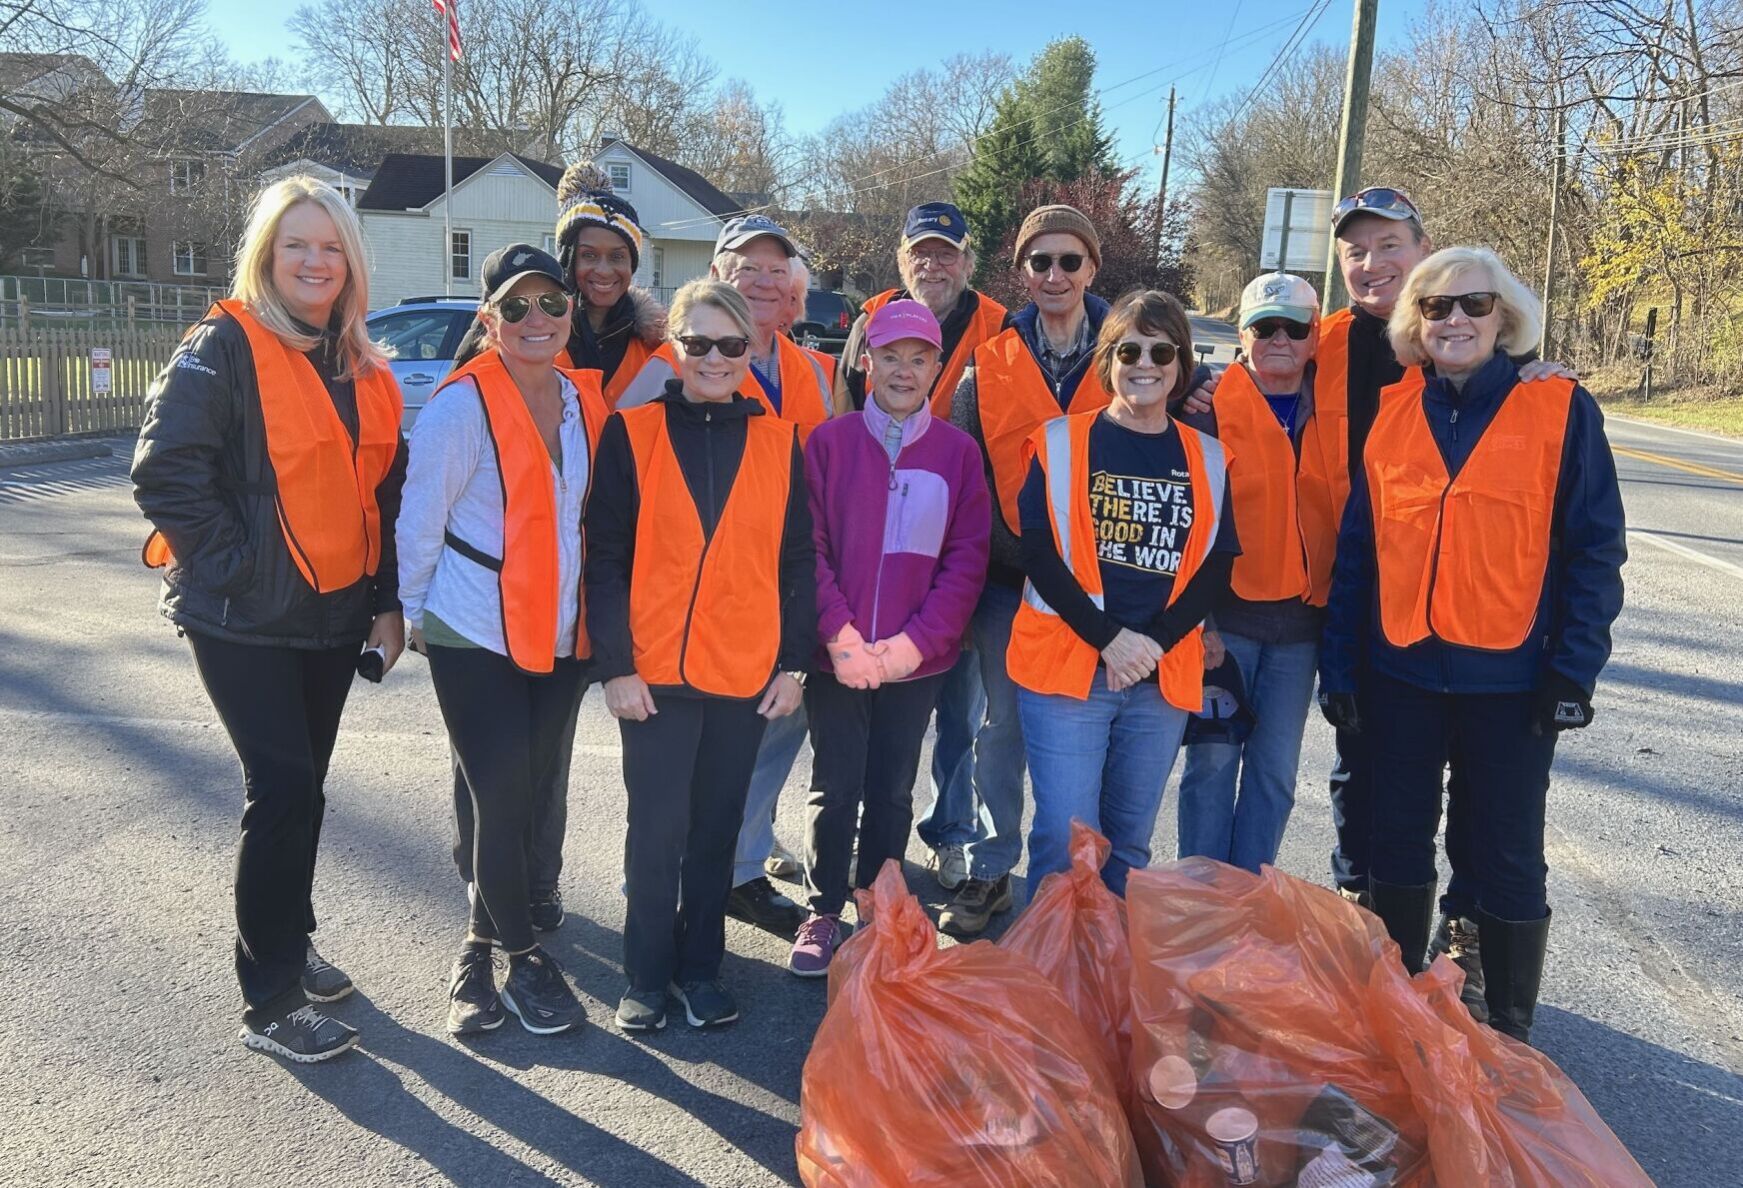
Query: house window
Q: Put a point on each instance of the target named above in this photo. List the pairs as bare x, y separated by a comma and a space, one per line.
126, 255
550, 243
190, 258
619, 175
185, 176
658, 279
36, 257
460, 256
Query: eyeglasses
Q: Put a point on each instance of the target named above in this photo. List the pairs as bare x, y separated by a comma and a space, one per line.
730, 348
1438, 309
1376, 199
1041, 263
1266, 327
1161, 353
936, 257
514, 309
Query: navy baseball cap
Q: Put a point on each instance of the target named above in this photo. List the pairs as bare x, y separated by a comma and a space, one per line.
740, 230
506, 265
935, 220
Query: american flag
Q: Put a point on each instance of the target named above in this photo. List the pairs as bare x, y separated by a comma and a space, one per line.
450, 7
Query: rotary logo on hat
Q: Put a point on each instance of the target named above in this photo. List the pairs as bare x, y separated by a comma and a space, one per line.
944, 220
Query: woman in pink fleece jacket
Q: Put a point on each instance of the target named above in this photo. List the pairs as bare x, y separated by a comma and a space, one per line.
901, 516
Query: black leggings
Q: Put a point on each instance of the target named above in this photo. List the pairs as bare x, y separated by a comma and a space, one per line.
281, 707
509, 730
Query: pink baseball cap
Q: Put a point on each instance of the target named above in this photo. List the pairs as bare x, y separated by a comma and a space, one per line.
903, 319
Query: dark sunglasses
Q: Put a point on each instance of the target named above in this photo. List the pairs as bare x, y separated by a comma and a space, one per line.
1041, 262
514, 309
1161, 353
730, 348
1377, 199
1265, 327
1438, 309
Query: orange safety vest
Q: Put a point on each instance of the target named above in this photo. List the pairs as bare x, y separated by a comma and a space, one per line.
987, 320
1045, 655
1463, 559
706, 611
324, 482
1015, 400
526, 573
828, 362
635, 355
805, 384
1331, 404
1282, 502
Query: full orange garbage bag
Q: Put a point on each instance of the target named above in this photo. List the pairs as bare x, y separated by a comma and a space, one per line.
957, 1067
1277, 1041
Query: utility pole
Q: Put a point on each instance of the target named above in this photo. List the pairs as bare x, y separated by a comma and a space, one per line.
1350, 134
1554, 216
1162, 192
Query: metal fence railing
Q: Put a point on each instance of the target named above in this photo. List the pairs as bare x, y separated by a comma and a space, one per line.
71, 301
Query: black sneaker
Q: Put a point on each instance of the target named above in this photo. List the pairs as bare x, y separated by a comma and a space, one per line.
539, 997
547, 909
1457, 937
972, 908
706, 1004
299, 1032
757, 902
641, 1010
473, 1003
322, 981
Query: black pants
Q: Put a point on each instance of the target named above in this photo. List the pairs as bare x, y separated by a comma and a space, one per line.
687, 769
507, 727
281, 708
550, 815
866, 744
1500, 782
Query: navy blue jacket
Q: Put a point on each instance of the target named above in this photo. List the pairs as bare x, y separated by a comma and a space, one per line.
1027, 322
1582, 592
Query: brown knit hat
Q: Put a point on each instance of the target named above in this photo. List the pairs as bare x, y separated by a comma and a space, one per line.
1045, 219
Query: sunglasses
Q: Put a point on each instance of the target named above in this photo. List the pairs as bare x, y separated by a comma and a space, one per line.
730, 348
1376, 199
1040, 263
1161, 353
515, 309
1266, 327
1438, 309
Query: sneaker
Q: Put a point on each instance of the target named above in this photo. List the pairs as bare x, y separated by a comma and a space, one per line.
323, 982
473, 1003
300, 1033
973, 907
951, 863
539, 997
706, 1004
819, 937
757, 902
781, 864
1457, 938
641, 1010
547, 908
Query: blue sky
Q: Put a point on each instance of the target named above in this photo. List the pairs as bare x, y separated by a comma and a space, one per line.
820, 66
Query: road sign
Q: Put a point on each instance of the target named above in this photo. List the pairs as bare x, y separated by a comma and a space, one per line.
1308, 223
101, 371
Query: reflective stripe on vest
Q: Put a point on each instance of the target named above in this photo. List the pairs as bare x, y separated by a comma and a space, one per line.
706, 612
986, 321
526, 573
323, 483
1045, 655
1463, 559
1282, 502
1016, 399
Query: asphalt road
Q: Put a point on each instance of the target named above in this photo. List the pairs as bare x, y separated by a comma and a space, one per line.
119, 1025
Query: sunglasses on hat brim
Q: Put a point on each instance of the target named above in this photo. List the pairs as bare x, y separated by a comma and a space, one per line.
1380, 200
1439, 308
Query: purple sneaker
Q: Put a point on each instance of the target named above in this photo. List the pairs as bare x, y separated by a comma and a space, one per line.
815, 947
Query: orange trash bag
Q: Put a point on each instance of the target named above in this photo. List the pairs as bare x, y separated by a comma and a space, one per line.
957, 1067
1277, 1041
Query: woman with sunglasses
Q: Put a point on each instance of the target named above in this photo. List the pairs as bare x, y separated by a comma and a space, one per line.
1127, 541
1479, 570
702, 609
490, 573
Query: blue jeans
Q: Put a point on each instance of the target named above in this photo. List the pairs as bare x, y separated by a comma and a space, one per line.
1246, 829
782, 740
978, 799
1103, 760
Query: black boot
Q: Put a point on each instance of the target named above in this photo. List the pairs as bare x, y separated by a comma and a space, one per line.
1407, 913
1458, 938
1512, 953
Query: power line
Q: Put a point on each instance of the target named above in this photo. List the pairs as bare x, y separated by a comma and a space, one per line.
1308, 20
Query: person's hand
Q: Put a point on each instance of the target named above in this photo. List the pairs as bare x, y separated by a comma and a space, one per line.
854, 665
1198, 400
1214, 652
415, 641
628, 698
782, 697
1542, 369
1130, 658
897, 656
387, 632
1561, 704
1340, 710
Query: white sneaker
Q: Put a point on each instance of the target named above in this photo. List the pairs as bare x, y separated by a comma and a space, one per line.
951, 862
781, 864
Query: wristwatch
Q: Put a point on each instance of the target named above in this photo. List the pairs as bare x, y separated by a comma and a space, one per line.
799, 676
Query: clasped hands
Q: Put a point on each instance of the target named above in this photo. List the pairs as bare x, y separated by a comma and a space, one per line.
862, 665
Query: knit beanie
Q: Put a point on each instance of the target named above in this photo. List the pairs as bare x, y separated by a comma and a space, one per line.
585, 199
1044, 220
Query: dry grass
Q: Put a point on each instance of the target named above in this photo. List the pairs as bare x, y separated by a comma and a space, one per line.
1708, 407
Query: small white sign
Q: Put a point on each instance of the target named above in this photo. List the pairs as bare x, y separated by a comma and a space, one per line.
101, 370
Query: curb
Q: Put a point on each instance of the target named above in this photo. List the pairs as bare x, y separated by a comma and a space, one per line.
31, 453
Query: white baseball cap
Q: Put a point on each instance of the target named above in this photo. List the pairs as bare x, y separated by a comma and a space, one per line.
1278, 295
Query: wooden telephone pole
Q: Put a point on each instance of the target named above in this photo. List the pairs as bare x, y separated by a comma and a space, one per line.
1350, 134
1162, 191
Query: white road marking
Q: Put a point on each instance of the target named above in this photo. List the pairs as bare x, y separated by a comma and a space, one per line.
1682, 550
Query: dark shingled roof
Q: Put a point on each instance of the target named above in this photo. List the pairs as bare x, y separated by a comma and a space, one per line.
216, 121
704, 192
357, 149
410, 181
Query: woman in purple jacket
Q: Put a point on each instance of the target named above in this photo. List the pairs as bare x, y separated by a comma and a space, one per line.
901, 516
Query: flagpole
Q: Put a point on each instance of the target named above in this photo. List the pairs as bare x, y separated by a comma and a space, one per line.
447, 164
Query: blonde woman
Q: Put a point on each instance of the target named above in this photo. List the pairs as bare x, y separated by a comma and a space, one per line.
270, 466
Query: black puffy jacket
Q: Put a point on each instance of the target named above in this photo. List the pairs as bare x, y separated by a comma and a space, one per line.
203, 477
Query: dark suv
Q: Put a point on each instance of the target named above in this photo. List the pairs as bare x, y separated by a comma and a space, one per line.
828, 317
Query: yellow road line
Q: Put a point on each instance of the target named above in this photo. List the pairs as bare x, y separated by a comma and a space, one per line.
1678, 464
